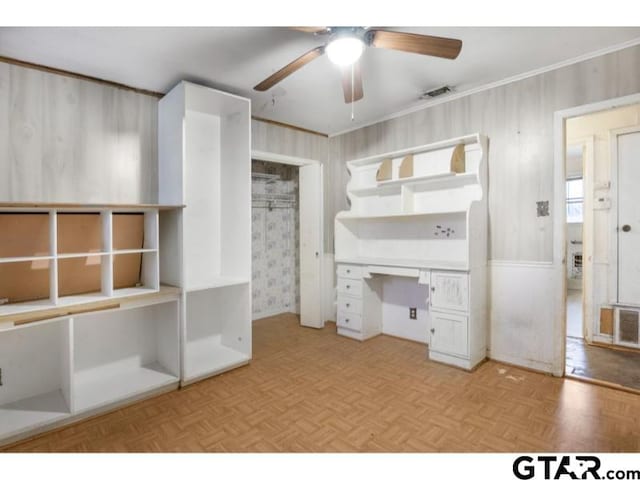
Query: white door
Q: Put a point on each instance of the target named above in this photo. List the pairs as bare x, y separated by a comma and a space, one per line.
311, 222
628, 218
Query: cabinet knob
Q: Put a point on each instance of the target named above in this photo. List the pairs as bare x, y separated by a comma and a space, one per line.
348, 271
348, 287
433, 330
348, 305
346, 320
433, 289
626, 228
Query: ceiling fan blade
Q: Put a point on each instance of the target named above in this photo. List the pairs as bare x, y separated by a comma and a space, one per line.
310, 29
414, 43
352, 92
283, 73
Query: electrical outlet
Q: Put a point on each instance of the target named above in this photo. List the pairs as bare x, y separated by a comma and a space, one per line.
413, 314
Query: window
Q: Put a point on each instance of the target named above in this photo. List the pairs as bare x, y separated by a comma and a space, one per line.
575, 200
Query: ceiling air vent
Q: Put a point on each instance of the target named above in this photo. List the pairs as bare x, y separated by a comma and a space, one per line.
436, 92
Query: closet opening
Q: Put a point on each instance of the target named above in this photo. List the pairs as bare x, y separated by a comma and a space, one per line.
287, 251
602, 235
275, 239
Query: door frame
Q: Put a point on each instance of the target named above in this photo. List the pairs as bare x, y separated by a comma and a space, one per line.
301, 162
559, 217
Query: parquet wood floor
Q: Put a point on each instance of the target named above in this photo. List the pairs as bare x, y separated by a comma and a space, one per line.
313, 391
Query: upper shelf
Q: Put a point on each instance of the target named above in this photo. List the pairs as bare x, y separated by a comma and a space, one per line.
426, 183
465, 140
85, 207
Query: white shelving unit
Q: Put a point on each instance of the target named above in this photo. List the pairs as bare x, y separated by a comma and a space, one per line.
60, 370
86, 325
430, 224
205, 163
80, 242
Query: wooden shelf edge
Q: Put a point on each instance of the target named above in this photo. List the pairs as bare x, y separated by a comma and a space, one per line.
19, 319
88, 206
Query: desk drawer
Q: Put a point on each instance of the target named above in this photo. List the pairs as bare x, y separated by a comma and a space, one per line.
349, 271
352, 321
349, 305
350, 287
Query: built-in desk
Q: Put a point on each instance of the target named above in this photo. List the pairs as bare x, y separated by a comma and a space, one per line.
455, 330
415, 237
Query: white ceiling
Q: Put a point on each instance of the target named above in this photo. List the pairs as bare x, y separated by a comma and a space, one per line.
237, 58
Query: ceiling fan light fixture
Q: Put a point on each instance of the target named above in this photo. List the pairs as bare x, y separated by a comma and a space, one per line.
344, 51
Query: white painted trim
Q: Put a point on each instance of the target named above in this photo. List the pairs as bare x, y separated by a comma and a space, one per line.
498, 83
559, 213
519, 264
271, 313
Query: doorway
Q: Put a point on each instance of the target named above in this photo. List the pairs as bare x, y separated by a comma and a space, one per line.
600, 193
287, 236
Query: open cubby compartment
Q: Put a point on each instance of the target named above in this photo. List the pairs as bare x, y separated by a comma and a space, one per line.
429, 239
423, 198
36, 386
381, 201
134, 231
80, 233
24, 235
125, 353
218, 337
27, 285
135, 273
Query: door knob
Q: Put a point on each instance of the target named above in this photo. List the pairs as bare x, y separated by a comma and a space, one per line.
626, 228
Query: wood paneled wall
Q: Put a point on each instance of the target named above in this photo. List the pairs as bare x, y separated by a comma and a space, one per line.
64, 139
518, 119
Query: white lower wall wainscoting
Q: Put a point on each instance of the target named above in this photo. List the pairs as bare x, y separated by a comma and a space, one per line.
523, 310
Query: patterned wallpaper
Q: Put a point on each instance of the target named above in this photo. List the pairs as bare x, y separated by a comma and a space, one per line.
274, 243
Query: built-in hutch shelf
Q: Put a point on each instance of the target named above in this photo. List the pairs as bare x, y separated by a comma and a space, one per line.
205, 163
64, 255
85, 324
419, 212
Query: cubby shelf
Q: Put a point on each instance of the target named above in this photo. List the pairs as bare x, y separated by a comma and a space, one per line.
205, 358
32, 413
94, 389
82, 254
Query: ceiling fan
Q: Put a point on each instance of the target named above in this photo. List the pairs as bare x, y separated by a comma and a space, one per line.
346, 44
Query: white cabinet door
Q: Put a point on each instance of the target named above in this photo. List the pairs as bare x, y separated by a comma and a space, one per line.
311, 246
628, 218
449, 334
450, 291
